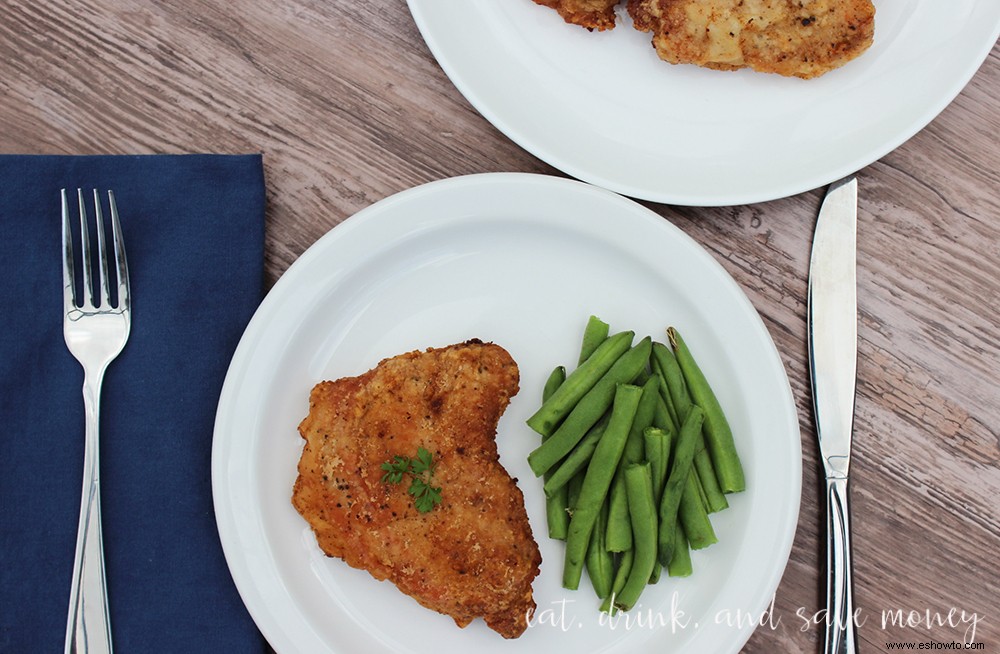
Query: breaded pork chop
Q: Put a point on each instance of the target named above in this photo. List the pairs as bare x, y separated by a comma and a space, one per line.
592, 14
800, 38
472, 555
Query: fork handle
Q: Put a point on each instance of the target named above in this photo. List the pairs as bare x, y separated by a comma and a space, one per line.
840, 630
88, 629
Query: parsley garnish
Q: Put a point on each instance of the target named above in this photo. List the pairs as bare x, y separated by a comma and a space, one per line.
420, 470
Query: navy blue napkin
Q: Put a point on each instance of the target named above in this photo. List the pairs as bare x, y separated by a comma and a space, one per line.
194, 230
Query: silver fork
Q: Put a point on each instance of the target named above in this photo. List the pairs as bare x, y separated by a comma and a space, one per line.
95, 333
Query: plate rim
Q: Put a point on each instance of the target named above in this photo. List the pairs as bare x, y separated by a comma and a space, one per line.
256, 605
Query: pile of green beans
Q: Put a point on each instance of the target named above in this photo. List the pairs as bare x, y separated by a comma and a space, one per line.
636, 454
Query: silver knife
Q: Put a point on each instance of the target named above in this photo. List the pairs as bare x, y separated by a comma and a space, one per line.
833, 356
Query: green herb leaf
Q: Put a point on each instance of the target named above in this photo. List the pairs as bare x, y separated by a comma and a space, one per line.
430, 499
395, 469
420, 470
424, 462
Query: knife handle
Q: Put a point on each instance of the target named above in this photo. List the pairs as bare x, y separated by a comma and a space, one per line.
840, 628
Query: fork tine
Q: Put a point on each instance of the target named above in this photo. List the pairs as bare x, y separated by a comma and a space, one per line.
121, 263
102, 252
88, 282
69, 286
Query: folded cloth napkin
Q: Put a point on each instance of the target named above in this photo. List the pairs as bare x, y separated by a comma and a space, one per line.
193, 227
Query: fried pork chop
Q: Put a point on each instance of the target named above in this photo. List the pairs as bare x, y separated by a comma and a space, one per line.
473, 554
800, 38
592, 14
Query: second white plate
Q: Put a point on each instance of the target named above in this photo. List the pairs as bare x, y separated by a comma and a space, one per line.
603, 108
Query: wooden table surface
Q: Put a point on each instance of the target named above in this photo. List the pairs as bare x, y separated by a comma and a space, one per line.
349, 106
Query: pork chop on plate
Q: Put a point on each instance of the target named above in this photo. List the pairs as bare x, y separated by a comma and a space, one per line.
592, 14
472, 554
795, 38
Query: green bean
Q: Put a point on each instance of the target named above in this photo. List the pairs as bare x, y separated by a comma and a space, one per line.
600, 562
656, 447
677, 480
718, 433
654, 576
668, 402
702, 498
619, 536
556, 516
619, 528
662, 418
657, 572
621, 576
573, 489
680, 562
590, 408
715, 500
576, 460
673, 378
597, 480
595, 333
639, 482
694, 517
578, 383
644, 414
656, 444
553, 382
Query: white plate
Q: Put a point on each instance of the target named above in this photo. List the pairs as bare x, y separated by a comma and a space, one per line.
603, 108
520, 260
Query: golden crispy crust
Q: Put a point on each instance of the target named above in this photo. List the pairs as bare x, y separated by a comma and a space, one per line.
471, 556
592, 14
800, 38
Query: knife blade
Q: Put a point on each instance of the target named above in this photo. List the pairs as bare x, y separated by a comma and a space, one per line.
833, 353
